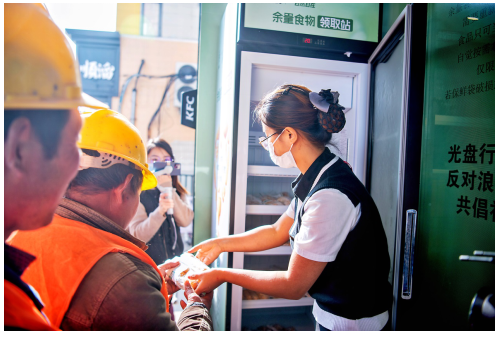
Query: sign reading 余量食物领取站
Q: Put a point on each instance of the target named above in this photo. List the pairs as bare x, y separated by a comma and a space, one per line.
347, 21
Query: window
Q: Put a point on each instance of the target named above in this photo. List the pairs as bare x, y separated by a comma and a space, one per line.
171, 20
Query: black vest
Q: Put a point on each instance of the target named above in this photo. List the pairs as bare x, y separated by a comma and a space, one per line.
355, 285
160, 246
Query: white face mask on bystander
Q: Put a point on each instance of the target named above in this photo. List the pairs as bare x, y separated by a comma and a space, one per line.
284, 161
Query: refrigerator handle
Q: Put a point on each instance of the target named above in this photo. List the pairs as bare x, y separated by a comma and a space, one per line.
409, 253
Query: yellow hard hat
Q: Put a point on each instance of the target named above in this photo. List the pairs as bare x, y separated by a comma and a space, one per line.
40, 69
110, 132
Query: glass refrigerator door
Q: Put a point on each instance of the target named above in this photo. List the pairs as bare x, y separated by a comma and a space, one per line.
390, 139
262, 190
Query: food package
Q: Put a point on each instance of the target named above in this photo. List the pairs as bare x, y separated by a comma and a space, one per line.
279, 199
284, 200
252, 200
266, 198
189, 265
253, 295
273, 202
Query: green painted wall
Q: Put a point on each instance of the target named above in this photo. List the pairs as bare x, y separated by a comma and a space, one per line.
390, 13
211, 15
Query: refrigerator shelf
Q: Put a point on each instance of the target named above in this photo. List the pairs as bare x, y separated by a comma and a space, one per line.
271, 303
266, 209
266, 170
281, 250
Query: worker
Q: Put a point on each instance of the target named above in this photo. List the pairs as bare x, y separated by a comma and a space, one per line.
41, 124
92, 273
339, 248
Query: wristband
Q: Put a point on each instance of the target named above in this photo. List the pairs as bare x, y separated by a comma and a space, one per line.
196, 304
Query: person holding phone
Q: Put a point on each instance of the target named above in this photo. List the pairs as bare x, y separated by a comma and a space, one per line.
151, 223
339, 247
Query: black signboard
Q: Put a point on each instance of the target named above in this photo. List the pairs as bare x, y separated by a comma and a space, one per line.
188, 108
99, 57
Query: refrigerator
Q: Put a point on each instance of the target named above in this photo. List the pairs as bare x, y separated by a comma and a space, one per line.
380, 81
249, 190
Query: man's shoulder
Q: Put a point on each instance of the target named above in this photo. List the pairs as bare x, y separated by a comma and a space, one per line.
114, 275
121, 264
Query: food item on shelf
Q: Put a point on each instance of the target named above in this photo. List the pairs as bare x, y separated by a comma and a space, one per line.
265, 198
262, 296
284, 200
252, 295
279, 199
273, 202
189, 265
252, 200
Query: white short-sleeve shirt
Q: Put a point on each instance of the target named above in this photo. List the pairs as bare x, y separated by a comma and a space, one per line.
328, 217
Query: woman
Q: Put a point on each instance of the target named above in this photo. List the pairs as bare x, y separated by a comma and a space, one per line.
340, 255
150, 222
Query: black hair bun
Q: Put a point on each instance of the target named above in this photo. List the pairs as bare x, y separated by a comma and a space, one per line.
332, 121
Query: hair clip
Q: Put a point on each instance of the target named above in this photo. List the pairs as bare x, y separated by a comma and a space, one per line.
330, 112
285, 92
324, 99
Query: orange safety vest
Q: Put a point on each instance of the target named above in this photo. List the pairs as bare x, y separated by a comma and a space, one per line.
21, 312
66, 250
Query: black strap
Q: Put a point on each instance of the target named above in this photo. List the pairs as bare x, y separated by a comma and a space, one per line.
11, 276
326, 184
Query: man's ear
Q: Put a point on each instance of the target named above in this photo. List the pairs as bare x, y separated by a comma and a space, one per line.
18, 146
121, 191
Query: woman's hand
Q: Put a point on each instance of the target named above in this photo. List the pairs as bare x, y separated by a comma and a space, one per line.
165, 269
165, 180
192, 297
208, 251
165, 204
206, 281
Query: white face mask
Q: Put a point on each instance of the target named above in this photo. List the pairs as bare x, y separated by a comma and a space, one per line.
284, 161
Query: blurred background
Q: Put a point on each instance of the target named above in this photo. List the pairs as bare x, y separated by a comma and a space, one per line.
116, 42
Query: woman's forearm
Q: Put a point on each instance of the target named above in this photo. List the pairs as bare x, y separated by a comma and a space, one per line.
262, 238
272, 283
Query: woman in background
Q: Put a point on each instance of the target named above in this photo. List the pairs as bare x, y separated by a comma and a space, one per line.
150, 224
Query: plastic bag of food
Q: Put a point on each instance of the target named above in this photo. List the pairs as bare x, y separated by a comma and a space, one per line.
189, 265
252, 200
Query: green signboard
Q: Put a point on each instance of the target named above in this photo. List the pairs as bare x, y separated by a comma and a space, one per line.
327, 22
347, 21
